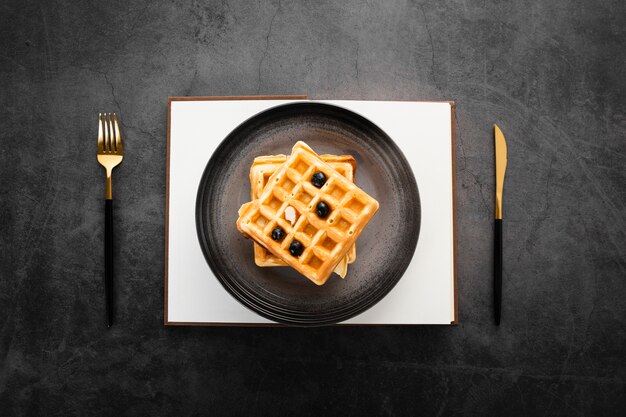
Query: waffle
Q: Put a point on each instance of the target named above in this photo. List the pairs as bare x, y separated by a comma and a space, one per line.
326, 241
260, 171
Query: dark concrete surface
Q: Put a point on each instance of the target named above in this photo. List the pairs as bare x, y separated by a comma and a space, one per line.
550, 72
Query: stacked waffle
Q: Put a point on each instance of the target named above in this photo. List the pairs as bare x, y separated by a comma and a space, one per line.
305, 212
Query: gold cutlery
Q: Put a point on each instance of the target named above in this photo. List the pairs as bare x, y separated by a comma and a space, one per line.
500, 146
110, 155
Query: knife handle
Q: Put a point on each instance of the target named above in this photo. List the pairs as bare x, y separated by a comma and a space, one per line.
497, 272
108, 260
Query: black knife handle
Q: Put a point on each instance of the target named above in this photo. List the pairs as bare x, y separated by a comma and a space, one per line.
108, 260
497, 272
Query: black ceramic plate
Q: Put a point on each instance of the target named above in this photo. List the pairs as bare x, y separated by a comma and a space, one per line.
384, 249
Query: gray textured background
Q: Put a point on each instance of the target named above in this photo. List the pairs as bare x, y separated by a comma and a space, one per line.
550, 72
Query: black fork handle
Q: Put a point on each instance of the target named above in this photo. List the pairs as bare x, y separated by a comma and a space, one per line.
108, 260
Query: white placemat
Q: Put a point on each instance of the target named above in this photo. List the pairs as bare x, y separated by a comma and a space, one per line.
423, 130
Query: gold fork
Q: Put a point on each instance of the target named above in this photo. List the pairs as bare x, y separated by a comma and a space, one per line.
110, 155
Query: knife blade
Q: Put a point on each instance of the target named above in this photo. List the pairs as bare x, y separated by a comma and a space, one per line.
501, 159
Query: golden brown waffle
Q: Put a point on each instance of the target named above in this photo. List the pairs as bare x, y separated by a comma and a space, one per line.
260, 171
326, 241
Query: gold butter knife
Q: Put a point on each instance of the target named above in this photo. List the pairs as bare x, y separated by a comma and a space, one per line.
500, 146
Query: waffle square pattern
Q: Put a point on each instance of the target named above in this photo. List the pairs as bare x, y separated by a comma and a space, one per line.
289, 201
262, 169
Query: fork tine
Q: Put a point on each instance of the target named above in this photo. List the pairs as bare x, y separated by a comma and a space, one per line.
118, 136
111, 137
107, 142
111, 134
100, 134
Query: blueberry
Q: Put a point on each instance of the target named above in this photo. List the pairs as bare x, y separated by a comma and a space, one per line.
278, 234
318, 179
296, 248
322, 209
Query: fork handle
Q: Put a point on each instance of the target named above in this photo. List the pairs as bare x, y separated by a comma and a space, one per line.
108, 260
